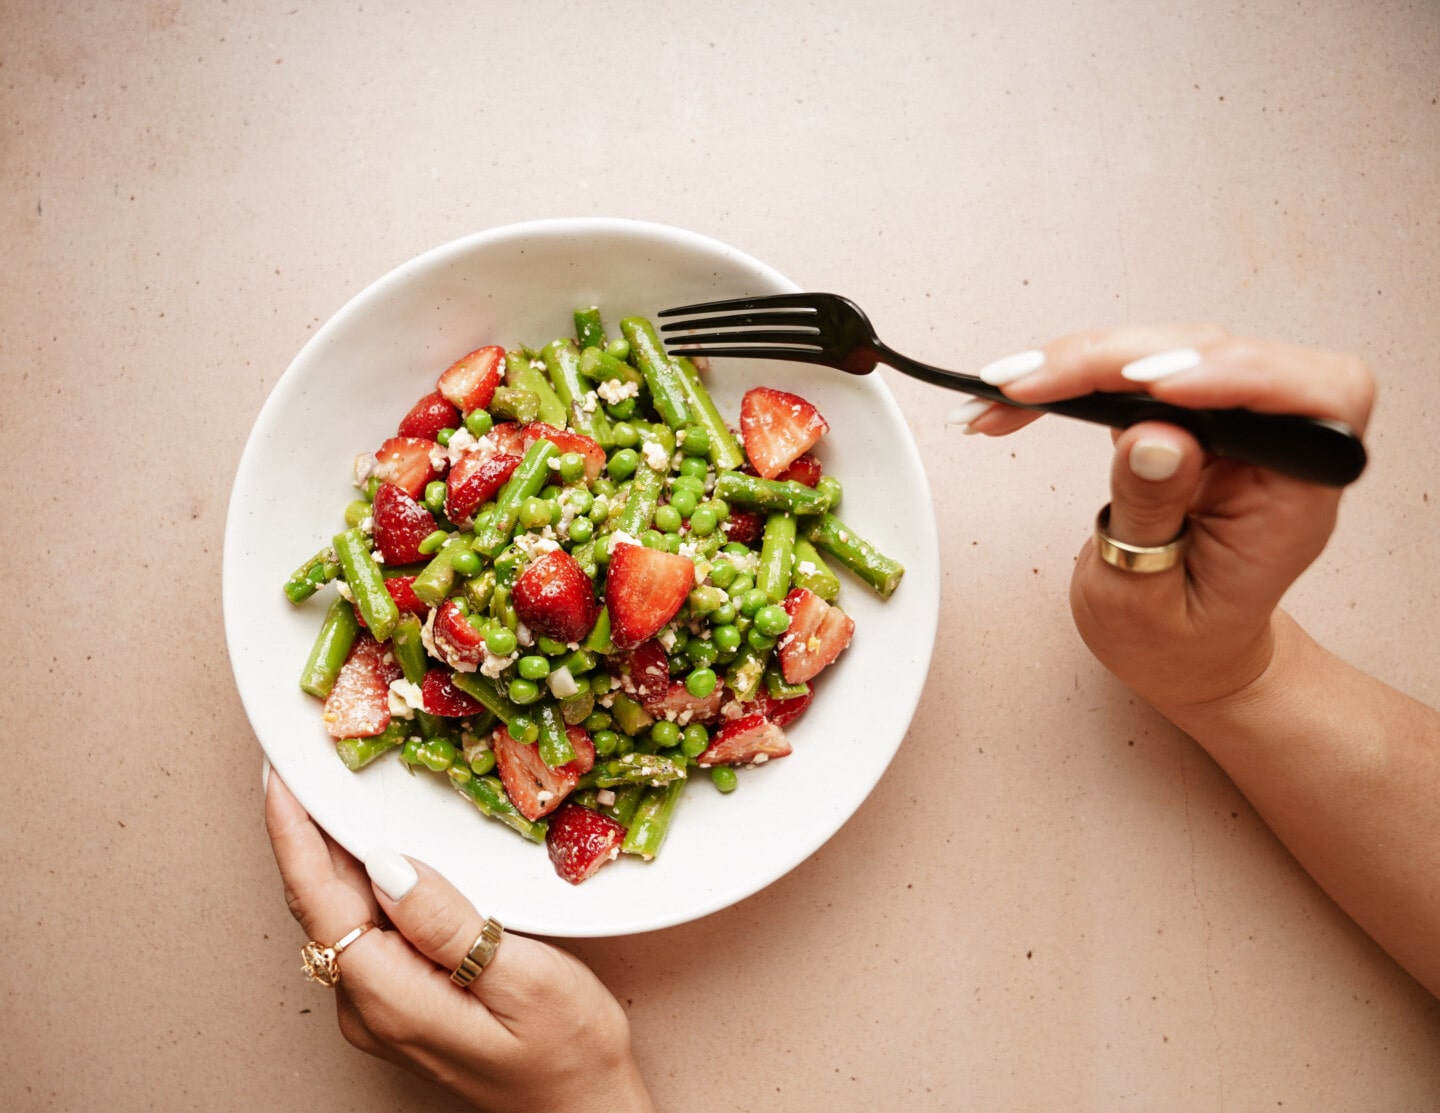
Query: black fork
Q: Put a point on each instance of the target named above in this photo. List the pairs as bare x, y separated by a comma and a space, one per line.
831, 330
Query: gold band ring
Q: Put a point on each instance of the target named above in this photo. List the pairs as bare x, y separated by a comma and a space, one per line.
322, 964
480, 953
1138, 558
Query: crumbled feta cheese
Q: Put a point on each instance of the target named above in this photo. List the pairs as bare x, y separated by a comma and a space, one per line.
605, 797
439, 457
589, 404
367, 524
493, 666
656, 457
666, 637
344, 589
806, 568
562, 684
365, 465
405, 698
535, 545
615, 391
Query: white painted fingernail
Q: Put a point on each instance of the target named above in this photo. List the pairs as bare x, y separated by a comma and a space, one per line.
1154, 460
391, 872
964, 415
264, 774
1161, 365
1014, 367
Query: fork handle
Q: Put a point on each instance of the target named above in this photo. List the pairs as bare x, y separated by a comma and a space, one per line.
1314, 449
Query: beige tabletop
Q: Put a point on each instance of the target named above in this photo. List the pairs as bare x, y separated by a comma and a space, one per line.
1053, 899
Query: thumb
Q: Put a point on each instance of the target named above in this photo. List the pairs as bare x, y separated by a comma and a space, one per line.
1152, 480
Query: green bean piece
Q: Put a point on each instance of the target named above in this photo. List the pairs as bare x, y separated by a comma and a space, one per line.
589, 330
479, 590
812, 573
487, 692
780, 688
869, 563
638, 769
436, 579
598, 640
627, 800
643, 500
357, 753
515, 403
724, 451
777, 554
532, 473
562, 364
769, 494
667, 386
630, 717
332, 646
367, 583
829, 486
488, 795
315, 573
522, 374
651, 822
414, 662
554, 743
745, 672
600, 367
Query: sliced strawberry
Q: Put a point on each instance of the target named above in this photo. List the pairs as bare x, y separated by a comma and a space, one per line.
778, 428
567, 441
581, 840
679, 706
508, 437
471, 380
644, 672
475, 480
406, 462
748, 740
428, 416
584, 748
457, 643
554, 597
401, 589
358, 706
781, 712
806, 469
533, 787
441, 697
744, 526
400, 525
644, 589
818, 634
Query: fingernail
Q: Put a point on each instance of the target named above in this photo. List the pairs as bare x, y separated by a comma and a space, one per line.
964, 415
391, 872
1014, 367
264, 774
1154, 460
1161, 365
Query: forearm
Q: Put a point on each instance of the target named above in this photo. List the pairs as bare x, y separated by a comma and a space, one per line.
1346, 771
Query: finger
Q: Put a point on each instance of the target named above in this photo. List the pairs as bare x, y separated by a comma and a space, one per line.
1152, 481
993, 419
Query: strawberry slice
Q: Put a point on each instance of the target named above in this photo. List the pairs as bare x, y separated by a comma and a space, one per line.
818, 634
744, 526
679, 706
475, 480
457, 643
584, 748
402, 590
406, 462
781, 712
534, 788
581, 840
428, 416
400, 525
441, 697
644, 589
749, 740
554, 597
471, 380
508, 437
778, 428
568, 441
806, 469
358, 706
644, 672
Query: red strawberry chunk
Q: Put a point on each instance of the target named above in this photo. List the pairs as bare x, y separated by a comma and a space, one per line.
534, 788
581, 840
458, 643
807, 469
644, 590
508, 437
428, 416
400, 524
744, 526
441, 697
406, 462
749, 740
567, 441
471, 380
475, 480
778, 428
781, 712
679, 706
584, 748
644, 672
358, 706
554, 597
817, 635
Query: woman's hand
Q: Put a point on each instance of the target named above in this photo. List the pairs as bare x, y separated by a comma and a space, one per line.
536, 1029
1201, 631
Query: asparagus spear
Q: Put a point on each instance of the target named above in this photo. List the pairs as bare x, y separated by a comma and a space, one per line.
667, 388
770, 494
869, 563
367, 583
332, 646
311, 576
652, 819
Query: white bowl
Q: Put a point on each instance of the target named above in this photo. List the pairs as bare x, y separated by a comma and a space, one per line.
344, 394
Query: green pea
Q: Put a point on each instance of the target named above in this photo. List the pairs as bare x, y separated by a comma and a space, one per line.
694, 467
437, 754
703, 600
694, 739
619, 348
694, 441
723, 615
652, 539
722, 574
622, 465
520, 725
550, 647
752, 601
622, 410
572, 466
689, 483
679, 663
600, 682
534, 513
682, 639
667, 519
478, 422
701, 652
721, 508
603, 488
684, 502
435, 495
500, 641
724, 778
771, 620
355, 513
551, 493
581, 530
736, 548
623, 745
443, 436
466, 562
740, 585
596, 720
726, 638
523, 691
580, 500
665, 734
599, 509
758, 641
482, 762
703, 522
671, 542
701, 682
533, 667
433, 541
605, 742
371, 486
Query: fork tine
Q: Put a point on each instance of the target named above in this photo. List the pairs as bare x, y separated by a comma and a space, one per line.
809, 338
734, 320
801, 355
773, 301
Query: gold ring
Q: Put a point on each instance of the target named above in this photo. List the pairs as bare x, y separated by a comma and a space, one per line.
1138, 558
322, 964
480, 953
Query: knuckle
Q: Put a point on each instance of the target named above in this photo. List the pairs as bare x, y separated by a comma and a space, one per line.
440, 928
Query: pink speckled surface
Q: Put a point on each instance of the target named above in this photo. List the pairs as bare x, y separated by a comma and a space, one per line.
1053, 899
